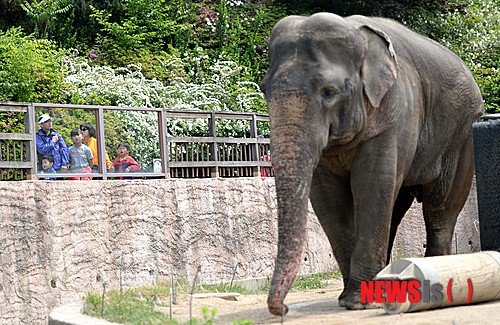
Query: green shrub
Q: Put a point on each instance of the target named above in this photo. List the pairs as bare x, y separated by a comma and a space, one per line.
11, 122
30, 69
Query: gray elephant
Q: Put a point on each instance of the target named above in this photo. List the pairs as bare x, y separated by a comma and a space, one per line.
366, 115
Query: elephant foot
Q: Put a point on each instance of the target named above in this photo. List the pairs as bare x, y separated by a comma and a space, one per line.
360, 306
354, 306
352, 302
279, 310
342, 299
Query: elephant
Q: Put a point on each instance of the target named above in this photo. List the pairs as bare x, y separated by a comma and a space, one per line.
366, 116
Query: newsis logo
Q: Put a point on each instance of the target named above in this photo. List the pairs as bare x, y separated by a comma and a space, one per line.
413, 291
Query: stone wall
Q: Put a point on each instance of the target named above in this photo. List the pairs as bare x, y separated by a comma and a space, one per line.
60, 239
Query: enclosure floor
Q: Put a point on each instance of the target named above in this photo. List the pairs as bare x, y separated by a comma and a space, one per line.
320, 306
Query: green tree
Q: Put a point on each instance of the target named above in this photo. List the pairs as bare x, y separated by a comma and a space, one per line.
43, 12
150, 24
76, 28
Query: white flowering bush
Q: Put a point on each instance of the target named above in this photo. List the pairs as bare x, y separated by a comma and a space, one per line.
222, 87
102, 85
218, 89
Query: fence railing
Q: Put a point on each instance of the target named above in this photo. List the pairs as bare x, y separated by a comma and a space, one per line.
18, 150
179, 156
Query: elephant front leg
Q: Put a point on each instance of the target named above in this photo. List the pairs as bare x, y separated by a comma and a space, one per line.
374, 192
331, 199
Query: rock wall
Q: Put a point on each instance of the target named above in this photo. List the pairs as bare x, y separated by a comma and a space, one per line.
60, 239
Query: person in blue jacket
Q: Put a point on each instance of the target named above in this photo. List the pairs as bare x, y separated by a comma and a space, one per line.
49, 142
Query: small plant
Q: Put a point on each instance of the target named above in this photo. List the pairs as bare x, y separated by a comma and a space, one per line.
226, 287
123, 307
314, 281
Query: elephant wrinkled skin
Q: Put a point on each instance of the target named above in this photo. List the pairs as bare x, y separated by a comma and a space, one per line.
366, 115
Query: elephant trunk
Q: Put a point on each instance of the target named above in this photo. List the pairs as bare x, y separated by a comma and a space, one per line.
293, 161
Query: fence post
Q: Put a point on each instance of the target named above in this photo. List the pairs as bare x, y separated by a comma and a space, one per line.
212, 129
102, 168
255, 147
30, 128
162, 131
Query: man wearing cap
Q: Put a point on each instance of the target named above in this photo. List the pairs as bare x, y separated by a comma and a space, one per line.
49, 142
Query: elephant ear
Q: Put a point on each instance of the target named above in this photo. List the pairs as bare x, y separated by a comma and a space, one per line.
380, 65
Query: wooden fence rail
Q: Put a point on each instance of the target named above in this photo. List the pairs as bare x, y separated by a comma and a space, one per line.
185, 157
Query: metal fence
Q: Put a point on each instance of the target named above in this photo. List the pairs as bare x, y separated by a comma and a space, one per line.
180, 157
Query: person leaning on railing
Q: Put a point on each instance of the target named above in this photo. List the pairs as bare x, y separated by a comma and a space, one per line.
90, 141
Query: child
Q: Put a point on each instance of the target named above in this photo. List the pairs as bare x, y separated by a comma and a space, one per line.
124, 163
80, 156
48, 167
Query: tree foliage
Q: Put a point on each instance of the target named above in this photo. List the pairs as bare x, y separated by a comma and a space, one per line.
149, 33
472, 30
204, 54
43, 12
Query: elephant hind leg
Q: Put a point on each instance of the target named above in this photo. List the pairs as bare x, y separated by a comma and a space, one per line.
402, 204
445, 198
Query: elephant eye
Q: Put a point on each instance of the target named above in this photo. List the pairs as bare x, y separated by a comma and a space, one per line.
328, 93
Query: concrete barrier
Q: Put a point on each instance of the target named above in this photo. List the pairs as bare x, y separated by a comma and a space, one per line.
60, 239
70, 315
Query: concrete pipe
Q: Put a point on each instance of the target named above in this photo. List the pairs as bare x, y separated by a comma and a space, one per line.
412, 284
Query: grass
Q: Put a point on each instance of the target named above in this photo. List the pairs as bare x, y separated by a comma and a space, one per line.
315, 281
124, 308
137, 305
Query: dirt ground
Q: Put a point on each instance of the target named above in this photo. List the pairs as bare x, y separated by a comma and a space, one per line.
321, 307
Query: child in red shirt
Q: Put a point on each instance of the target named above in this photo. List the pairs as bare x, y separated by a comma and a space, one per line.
124, 163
